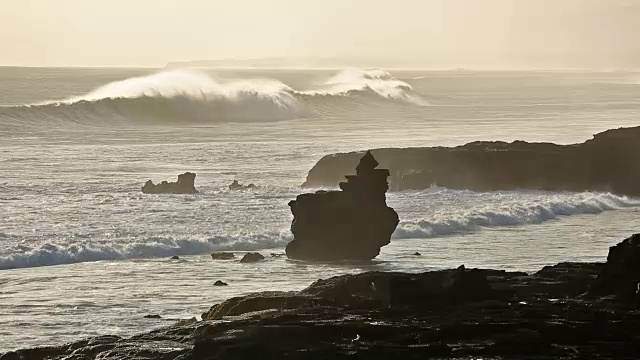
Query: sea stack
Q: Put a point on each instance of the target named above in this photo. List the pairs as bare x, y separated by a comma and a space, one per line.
184, 185
351, 224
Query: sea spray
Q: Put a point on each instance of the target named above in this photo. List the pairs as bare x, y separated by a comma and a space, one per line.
188, 96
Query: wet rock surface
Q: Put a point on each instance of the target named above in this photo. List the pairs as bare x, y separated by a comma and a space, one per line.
606, 163
351, 224
449, 314
184, 185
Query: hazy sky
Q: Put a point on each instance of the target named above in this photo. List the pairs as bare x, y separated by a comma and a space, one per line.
436, 33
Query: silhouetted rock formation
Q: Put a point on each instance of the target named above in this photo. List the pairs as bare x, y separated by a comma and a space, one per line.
608, 162
184, 185
251, 257
446, 314
350, 224
235, 185
621, 274
220, 283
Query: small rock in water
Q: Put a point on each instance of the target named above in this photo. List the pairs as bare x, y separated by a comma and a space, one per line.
235, 185
175, 257
252, 257
222, 256
184, 185
417, 254
220, 283
153, 316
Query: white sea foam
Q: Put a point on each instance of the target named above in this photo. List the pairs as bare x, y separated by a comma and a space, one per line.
179, 96
49, 254
378, 82
468, 216
507, 212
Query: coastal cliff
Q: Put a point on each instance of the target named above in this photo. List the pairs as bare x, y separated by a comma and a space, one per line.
609, 162
566, 311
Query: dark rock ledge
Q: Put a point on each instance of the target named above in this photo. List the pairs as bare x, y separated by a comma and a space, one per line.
606, 163
566, 311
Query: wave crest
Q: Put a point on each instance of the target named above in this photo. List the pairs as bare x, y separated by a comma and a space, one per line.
49, 254
378, 82
190, 96
519, 213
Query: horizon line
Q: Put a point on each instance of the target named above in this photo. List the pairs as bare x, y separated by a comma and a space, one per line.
169, 66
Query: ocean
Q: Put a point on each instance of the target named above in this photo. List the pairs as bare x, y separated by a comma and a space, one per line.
83, 252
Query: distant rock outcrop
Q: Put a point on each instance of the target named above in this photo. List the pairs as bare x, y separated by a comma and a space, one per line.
235, 185
609, 162
222, 256
251, 258
352, 224
184, 185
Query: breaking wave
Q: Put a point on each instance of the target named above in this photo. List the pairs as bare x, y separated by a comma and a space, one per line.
188, 96
56, 254
379, 82
506, 210
522, 212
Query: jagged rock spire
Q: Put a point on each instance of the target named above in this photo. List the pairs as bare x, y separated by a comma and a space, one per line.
367, 163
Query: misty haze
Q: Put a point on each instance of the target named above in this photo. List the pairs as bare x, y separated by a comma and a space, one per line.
176, 177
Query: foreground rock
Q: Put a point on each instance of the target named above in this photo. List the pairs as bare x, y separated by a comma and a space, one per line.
184, 185
608, 162
350, 224
621, 274
449, 314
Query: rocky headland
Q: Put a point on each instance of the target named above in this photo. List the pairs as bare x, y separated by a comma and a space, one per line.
184, 185
350, 224
566, 311
608, 162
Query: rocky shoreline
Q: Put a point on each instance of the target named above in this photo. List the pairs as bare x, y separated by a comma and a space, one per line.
566, 311
605, 163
